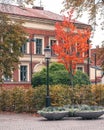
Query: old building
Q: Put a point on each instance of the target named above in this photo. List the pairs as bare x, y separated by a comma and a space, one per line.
96, 72
39, 24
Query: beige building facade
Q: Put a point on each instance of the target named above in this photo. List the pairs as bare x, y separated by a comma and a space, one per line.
40, 25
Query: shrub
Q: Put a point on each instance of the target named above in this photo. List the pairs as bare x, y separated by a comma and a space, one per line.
83, 95
3, 99
33, 99
59, 75
60, 95
98, 93
81, 78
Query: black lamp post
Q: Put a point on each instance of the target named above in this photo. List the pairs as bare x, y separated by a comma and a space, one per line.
31, 57
31, 60
47, 52
95, 68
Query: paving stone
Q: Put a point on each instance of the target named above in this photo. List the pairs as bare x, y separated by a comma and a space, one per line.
30, 122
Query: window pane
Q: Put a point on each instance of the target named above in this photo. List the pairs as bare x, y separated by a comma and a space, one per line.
80, 68
23, 73
24, 48
38, 46
52, 42
7, 79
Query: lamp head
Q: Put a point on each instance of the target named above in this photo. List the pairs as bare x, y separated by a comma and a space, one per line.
47, 52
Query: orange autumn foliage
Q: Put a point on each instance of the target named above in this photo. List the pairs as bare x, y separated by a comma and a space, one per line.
72, 44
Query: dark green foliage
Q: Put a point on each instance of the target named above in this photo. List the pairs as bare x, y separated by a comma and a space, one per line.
39, 78
12, 37
59, 75
81, 78
56, 66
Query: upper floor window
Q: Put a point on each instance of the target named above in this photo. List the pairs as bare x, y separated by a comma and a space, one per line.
38, 46
24, 48
23, 73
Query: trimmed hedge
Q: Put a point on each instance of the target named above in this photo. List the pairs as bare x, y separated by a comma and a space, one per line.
30, 100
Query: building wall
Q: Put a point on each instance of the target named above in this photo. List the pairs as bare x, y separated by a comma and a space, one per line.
42, 30
102, 80
36, 30
98, 75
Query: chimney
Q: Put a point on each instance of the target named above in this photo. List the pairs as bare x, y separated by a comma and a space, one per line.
97, 47
38, 7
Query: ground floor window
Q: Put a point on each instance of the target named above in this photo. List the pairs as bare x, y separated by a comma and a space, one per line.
23, 73
7, 79
80, 68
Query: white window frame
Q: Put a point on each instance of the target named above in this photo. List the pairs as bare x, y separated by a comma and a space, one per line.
52, 38
81, 67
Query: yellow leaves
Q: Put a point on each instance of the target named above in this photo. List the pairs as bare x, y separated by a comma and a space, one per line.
98, 92
60, 95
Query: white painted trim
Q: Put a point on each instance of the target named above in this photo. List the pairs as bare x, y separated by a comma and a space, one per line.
52, 38
80, 66
28, 43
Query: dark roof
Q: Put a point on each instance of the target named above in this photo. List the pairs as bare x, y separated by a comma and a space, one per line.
29, 12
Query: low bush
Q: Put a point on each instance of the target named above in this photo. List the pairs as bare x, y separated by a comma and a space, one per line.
98, 93
60, 95
59, 75
33, 99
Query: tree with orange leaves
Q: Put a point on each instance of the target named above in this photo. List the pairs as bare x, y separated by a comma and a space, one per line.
72, 44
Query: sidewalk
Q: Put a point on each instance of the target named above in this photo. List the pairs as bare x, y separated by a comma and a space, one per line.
30, 122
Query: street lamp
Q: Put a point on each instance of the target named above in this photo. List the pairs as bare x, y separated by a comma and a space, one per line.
95, 68
47, 52
31, 40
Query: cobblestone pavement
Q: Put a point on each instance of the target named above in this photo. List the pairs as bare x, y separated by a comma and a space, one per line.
30, 122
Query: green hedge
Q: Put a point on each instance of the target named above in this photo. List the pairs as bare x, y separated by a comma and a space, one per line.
33, 99
59, 74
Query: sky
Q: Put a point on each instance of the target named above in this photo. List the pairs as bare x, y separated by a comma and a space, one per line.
51, 5
56, 7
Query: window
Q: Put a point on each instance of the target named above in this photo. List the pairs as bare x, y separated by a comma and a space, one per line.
23, 73
80, 68
38, 46
52, 42
7, 79
24, 48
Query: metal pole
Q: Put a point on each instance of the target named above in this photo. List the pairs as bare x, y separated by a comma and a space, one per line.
31, 61
71, 74
48, 99
88, 59
95, 70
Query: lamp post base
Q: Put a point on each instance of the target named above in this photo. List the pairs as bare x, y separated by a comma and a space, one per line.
48, 101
